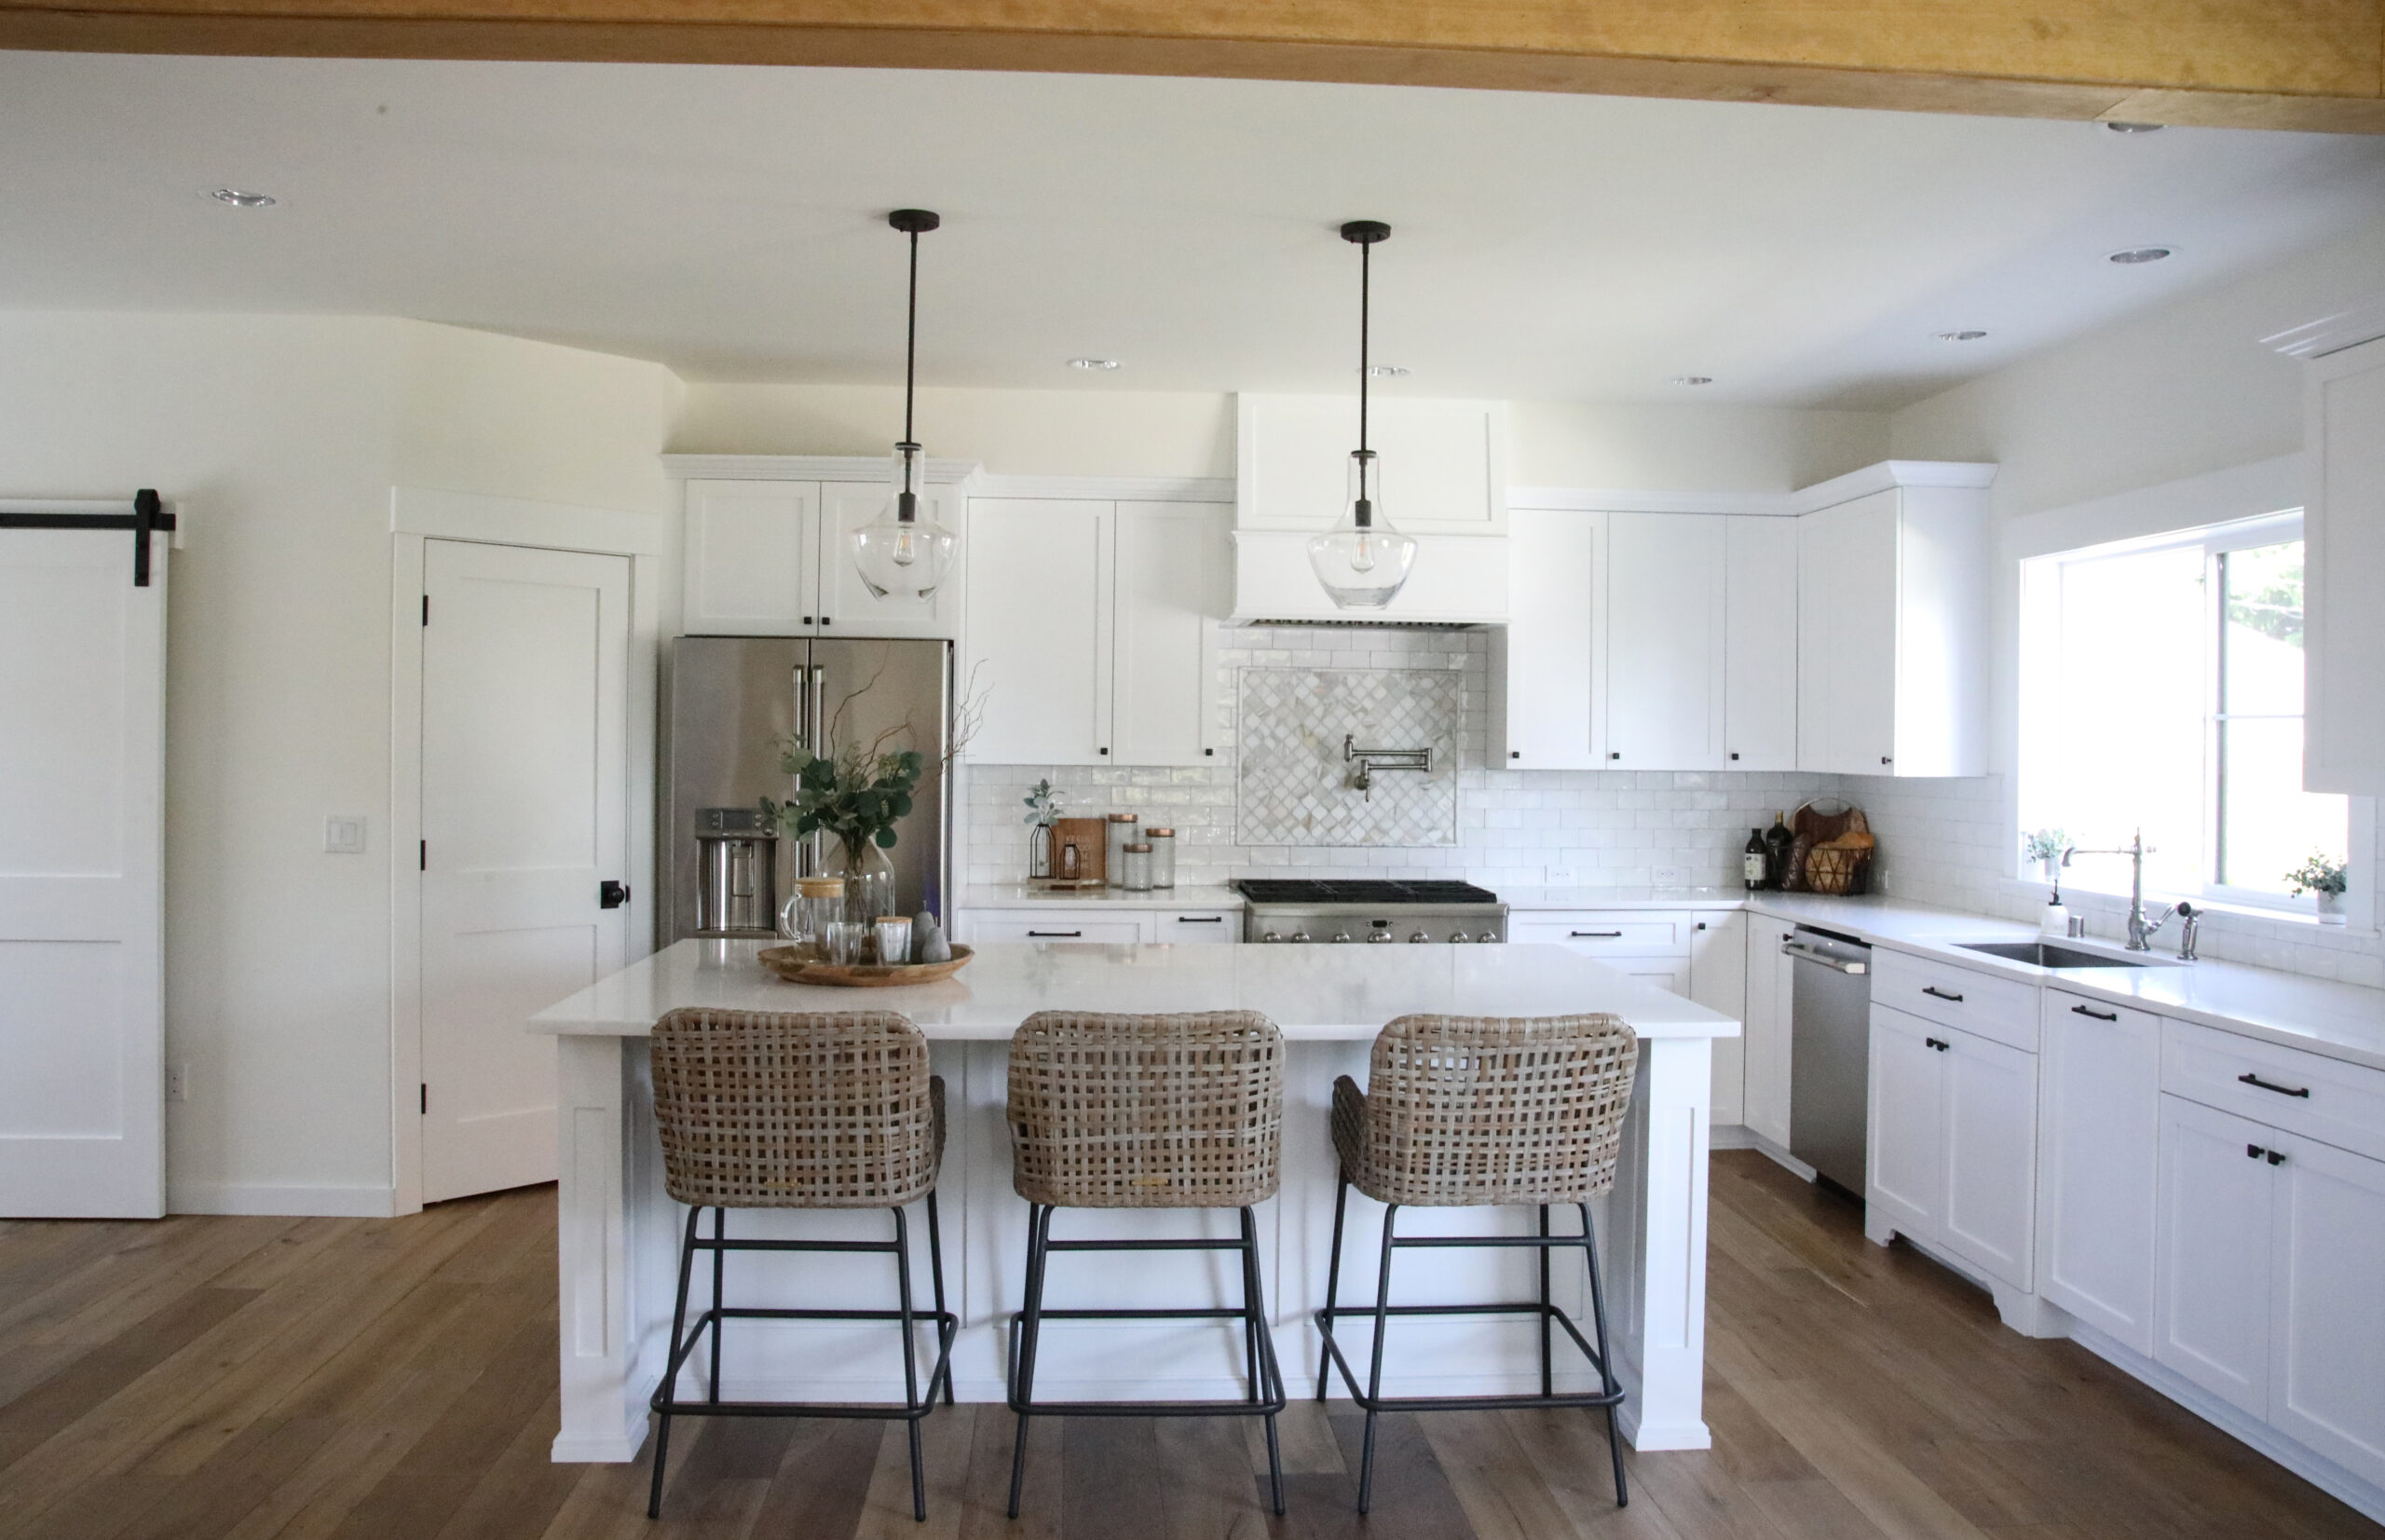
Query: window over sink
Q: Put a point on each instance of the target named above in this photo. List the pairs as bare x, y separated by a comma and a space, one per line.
2161, 687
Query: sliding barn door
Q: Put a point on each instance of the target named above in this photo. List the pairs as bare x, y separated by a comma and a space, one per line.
526, 824
82, 774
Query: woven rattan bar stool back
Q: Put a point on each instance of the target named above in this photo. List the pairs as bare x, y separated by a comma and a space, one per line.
763, 1110
1146, 1111
1467, 1111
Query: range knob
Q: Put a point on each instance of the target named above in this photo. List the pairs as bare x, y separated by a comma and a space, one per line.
1457, 937
1373, 936
1491, 936
1299, 935
1417, 937
1271, 937
1341, 935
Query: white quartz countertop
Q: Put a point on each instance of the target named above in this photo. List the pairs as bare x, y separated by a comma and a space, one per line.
1622, 898
1027, 896
1318, 993
2343, 1021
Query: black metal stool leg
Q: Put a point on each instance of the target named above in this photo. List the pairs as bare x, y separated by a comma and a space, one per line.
671, 1378
719, 1261
1266, 1380
1547, 1328
1606, 1365
1333, 1280
935, 1265
1374, 1372
910, 1361
1039, 1229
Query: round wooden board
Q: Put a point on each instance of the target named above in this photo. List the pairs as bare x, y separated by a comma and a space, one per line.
798, 968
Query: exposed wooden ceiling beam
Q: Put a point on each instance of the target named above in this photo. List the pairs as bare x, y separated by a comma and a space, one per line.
2311, 65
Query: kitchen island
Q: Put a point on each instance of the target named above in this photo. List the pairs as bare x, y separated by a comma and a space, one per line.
619, 1229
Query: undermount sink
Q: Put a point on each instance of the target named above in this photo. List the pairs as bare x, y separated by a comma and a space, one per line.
2052, 954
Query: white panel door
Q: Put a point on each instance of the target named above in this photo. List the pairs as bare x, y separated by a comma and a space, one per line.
1175, 573
2099, 1101
1905, 1176
1990, 1111
2328, 1334
1760, 643
1768, 1028
1718, 980
1665, 642
81, 744
1548, 657
2344, 535
1041, 579
525, 818
750, 553
2212, 1275
847, 606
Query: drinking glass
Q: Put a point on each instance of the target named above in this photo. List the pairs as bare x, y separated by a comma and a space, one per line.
846, 941
893, 939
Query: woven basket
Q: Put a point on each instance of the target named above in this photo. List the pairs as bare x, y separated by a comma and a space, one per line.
1811, 827
1466, 1110
1836, 871
1146, 1111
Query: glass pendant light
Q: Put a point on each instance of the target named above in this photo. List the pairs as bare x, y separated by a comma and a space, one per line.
1362, 561
900, 555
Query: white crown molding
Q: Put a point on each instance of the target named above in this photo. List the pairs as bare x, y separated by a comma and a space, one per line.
2347, 328
518, 520
1889, 474
1809, 499
808, 468
1148, 489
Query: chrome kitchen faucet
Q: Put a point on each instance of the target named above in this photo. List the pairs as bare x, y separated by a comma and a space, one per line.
2139, 933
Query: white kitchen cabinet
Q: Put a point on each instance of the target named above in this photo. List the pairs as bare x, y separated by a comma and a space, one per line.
1718, 980
2211, 1313
1891, 597
2343, 530
1760, 643
2099, 1083
1766, 1030
1089, 631
2327, 1333
1664, 604
774, 558
1543, 661
1444, 462
1952, 1157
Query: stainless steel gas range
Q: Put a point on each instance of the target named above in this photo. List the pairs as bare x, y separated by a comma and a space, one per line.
1380, 912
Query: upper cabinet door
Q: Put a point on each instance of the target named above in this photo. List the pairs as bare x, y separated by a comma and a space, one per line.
1546, 662
750, 558
1665, 642
1175, 568
1040, 581
1760, 643
847, 606
1444, 462
2343, 530
1847, 603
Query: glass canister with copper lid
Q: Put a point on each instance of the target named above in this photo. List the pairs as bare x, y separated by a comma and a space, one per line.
1162, 844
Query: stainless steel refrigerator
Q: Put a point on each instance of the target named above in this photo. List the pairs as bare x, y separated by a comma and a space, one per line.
730, 706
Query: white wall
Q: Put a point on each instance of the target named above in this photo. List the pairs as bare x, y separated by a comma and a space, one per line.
276, 440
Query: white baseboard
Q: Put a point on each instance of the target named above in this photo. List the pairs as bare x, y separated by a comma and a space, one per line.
1738, 1136
232, 1197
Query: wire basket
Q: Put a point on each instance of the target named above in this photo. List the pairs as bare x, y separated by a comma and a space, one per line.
1832, 852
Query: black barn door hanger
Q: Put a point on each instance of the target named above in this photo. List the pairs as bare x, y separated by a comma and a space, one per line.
148, 517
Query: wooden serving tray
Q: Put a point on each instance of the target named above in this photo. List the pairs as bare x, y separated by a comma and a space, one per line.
797, 965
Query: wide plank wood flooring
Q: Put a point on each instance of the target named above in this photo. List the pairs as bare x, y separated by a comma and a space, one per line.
240, 1378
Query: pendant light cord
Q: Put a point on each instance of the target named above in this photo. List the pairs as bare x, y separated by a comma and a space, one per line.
911, 344
1365, 273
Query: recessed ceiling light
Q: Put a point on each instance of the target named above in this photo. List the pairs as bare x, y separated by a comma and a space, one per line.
1097, 366
2134, 128
239, 199
1386, 371
2136, 256
1960, 336
1693, 379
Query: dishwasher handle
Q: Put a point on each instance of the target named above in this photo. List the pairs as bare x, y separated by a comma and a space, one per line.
1808, 954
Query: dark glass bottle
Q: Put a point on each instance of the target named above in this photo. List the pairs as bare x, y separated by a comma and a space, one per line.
1756, 862
1777, 843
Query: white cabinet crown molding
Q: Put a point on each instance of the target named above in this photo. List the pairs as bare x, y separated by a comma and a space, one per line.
1125, 489
809, 468
1883, 476
2332, 334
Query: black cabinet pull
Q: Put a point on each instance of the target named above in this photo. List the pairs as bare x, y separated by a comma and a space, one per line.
2254, 1152
2276, 1157
2099, 1016
1933, 989
2280, 1090
1734, 756
1599, 936
1055, 935
1935, 1043
1200, 920
612, 895
1616, 754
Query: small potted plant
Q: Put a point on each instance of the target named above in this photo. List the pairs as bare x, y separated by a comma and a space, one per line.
1044, 807
2045, 848
2323, 877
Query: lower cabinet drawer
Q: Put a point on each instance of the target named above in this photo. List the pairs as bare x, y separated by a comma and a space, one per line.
2303, 1093
2004, 1010
1064, 926
1198, 926
1628, 934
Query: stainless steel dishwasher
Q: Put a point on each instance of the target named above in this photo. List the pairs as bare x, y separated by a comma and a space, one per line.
1830, 1051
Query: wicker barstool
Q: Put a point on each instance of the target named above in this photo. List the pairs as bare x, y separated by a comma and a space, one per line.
761, 1110
1466, 1111
1146, 1111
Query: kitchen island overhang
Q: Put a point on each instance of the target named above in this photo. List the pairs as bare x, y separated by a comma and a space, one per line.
619, 1229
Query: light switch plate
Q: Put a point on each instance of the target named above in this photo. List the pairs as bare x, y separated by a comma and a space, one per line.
1671, 876
343, 833
1559, 877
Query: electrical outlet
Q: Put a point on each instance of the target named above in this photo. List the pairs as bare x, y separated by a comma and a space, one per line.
343, 833
178, 1080
1671, 876
1559, 877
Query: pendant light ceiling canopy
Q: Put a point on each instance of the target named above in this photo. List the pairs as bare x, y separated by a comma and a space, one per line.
1362, 562
901, 555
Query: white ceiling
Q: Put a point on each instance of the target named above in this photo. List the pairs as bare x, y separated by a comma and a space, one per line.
728, 221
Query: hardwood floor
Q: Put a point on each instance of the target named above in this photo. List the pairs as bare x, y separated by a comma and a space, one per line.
248, 1378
